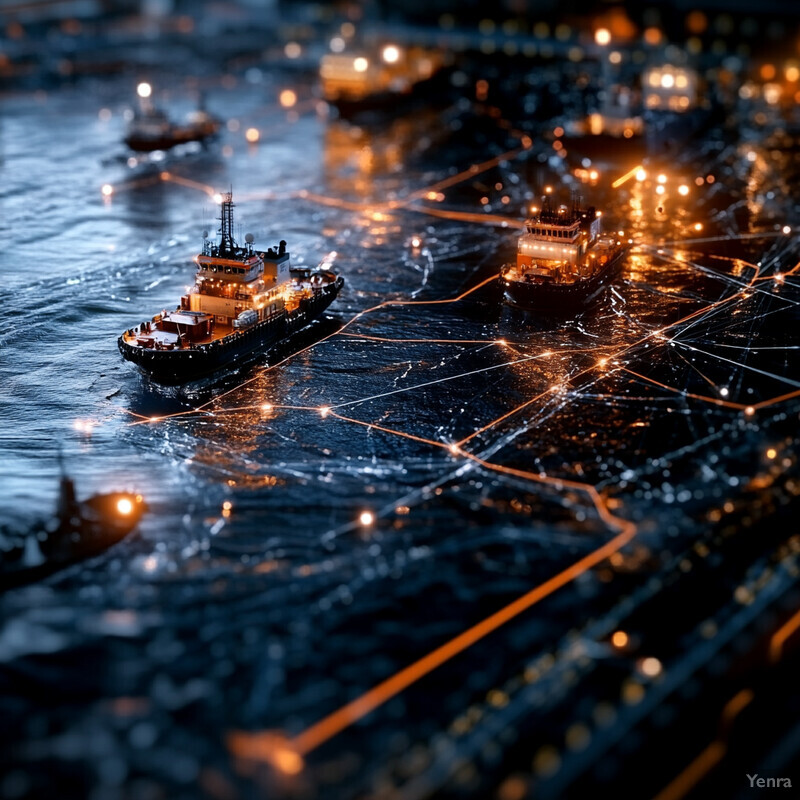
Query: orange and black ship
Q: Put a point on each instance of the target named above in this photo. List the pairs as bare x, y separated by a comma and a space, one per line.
244, 302
563, 260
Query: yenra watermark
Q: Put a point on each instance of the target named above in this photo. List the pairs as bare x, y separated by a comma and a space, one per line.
769, 783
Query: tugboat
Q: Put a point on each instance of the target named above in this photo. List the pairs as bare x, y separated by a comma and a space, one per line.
244, 301
151, 129
79, 530
563, 261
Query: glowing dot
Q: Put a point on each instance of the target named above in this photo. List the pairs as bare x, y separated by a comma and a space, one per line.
771, 453
786, 230
792, 74
217, 198
660, 189
154, 419
662, 178
650, 666
390, 54
683, 189
667, 81
252, 135
749, 411
337, 44
287, 761
501, 341
266, 406
144, 90
778, 278
602, 36
619, 639
602, 362
641, 175
107, 190
324, 411
416, 241
724, 391
292, 50
287, 98
548, 189
698, 226
124, 506
453, 448
366, 518
360, 64
227, 505
594, 175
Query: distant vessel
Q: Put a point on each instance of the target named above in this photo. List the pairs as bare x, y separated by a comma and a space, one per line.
150, 129
563, 261
79, 530
373, 78
244, 301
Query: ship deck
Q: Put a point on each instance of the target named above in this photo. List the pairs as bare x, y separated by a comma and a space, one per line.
166, 340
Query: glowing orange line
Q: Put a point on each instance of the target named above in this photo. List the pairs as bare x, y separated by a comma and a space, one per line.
501, 418
626, 177
689, 778
681, 785
339, 720
718, 401
781, 636
377, 427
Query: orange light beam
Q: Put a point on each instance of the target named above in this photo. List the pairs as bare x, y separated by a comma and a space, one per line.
781, 636
626, 177
680, 786
328, 727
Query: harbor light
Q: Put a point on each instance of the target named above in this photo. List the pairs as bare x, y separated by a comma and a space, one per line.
602, 36
698, 226
391, 54
287, 98
360, 64
107, 190
683, 189
144, 90
124, 506
416, 242
366, 518
660, 189
252, 135
619, 639
641, 175
771, 453
786, 230
650, 666
662, 178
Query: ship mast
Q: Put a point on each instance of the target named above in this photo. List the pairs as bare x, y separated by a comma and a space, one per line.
226, 244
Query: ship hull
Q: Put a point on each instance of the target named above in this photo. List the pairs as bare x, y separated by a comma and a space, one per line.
557, 298
172, 367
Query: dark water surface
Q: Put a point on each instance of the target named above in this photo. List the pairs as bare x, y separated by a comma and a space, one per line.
122, 676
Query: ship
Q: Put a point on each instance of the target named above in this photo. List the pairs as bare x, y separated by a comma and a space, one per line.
563, 260
78, 530
150, 129
244, 302
373, 80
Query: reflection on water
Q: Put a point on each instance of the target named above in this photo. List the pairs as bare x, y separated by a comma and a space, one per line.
293, 557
